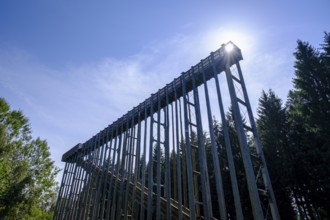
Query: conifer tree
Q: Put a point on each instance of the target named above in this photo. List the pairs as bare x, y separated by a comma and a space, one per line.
272, 128
309, 120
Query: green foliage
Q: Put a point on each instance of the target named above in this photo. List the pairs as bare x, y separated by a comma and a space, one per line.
309, 121
273, 129
296, 138
27, 174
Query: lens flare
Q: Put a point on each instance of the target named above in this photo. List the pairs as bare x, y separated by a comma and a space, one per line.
229, 47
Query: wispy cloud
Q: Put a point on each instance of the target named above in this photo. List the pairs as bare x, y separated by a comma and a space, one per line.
268, 70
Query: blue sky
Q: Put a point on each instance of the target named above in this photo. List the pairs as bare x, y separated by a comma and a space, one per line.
73, 67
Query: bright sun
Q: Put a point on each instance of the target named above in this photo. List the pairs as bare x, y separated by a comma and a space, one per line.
222, 36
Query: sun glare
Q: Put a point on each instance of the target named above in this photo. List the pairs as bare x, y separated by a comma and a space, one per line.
229, 47
240, 38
